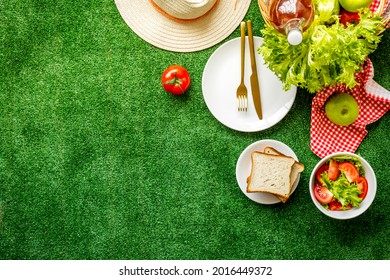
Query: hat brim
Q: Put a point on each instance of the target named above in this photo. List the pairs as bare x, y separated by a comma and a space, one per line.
187, 36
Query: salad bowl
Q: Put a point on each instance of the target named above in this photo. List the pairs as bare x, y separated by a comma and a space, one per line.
328, 207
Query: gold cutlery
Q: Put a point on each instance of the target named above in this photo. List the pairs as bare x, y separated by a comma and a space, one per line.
254, 78
242, 92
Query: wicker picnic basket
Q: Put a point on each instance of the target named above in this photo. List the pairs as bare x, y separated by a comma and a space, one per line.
379, 7
306, 67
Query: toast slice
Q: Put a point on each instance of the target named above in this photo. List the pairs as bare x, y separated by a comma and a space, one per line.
297, 168
270, 174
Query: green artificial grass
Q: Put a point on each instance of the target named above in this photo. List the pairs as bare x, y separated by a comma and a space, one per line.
98, 162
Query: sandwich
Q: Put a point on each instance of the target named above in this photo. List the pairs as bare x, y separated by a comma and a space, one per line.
274, 173
297, 169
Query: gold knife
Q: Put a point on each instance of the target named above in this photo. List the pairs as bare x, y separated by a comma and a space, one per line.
254, 78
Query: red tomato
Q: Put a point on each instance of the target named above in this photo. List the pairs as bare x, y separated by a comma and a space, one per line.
322, 169
322, 194
349, 17
362, 185
335, 205
350, 171
333, 171
175, 79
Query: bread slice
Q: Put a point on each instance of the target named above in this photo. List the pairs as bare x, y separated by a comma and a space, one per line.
270, 174
297, 168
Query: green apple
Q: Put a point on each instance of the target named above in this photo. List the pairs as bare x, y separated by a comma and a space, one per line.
342, 109
353, 5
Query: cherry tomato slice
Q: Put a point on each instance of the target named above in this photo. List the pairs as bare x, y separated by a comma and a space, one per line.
333, 171
322, 194
335, 205
350, 171
322, 169
362, 185
349, 17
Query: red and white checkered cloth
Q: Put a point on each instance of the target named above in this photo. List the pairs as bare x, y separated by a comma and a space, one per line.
375, 5
373, 100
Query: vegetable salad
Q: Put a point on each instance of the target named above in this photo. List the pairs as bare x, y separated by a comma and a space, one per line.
340, 183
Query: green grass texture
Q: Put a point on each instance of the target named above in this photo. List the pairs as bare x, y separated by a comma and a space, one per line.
97, 161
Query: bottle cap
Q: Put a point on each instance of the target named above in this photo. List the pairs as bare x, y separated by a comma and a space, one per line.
294, 37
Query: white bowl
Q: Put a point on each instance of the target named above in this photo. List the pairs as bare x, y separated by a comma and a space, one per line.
355, 211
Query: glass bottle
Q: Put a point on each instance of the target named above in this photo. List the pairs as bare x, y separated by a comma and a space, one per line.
291, 17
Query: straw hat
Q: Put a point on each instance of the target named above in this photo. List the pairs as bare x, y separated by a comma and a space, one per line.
183, 25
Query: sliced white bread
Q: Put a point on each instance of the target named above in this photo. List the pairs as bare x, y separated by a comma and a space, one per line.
297, 168
270, 174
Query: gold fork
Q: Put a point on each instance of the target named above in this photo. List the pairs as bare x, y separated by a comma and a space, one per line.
242, 92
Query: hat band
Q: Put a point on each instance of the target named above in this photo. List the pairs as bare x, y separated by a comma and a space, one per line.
180, 19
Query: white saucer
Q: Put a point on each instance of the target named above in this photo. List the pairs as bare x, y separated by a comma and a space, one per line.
221, 77
244, 164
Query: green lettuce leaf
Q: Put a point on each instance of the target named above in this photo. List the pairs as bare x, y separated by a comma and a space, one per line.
327, 10
345, 192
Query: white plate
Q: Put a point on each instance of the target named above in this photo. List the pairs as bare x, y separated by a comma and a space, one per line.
221, 78
244, 164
